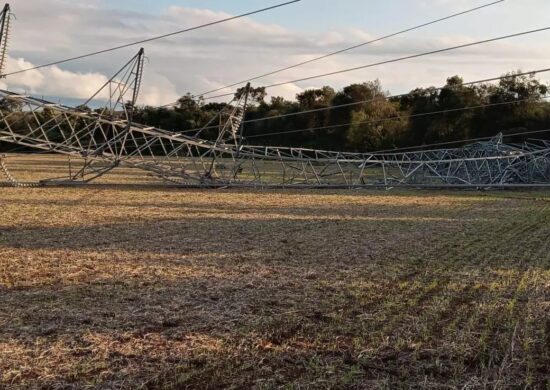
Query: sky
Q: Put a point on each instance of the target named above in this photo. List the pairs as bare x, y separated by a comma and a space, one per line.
202, 60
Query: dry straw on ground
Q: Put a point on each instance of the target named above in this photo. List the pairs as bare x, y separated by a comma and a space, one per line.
134, 287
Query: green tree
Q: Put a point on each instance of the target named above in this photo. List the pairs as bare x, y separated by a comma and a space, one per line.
378, 125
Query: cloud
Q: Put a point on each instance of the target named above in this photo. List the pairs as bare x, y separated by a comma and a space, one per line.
52, 81
157, 90
216, 56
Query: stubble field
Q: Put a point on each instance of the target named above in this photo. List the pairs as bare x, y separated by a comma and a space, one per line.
131, 287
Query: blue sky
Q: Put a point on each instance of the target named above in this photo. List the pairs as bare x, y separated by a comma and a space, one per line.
46, 30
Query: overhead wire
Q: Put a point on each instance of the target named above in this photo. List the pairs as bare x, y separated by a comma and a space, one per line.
419, 55
353, 47
151, 39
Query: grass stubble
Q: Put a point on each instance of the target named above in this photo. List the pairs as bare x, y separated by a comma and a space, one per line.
162, 288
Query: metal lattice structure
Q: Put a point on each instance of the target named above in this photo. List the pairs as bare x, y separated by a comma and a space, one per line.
109, 138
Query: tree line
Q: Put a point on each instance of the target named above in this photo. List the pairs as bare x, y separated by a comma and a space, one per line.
364, 117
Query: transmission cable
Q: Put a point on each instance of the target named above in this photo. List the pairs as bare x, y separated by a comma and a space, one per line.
152, 38
390, 61
353, 47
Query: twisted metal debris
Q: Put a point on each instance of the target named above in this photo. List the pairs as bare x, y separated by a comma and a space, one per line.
104, 142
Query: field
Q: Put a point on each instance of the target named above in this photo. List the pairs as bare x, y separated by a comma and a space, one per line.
135, 287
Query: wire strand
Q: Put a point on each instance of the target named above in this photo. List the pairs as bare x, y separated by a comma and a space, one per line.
389, 61
151, 39
354, 47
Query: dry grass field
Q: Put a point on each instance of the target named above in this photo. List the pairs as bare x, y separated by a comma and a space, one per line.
124, 288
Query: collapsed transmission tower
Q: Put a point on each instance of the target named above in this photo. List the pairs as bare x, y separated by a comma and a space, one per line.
108, 138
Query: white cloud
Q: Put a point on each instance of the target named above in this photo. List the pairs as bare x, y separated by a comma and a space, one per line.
52, 81
157, 90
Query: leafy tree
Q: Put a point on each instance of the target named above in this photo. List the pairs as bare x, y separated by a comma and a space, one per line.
378, 125
255, 95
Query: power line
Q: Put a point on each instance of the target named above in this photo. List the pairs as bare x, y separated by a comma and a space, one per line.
393, 60
412, 56
533, 72
353, 47
396, 117
152, 38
